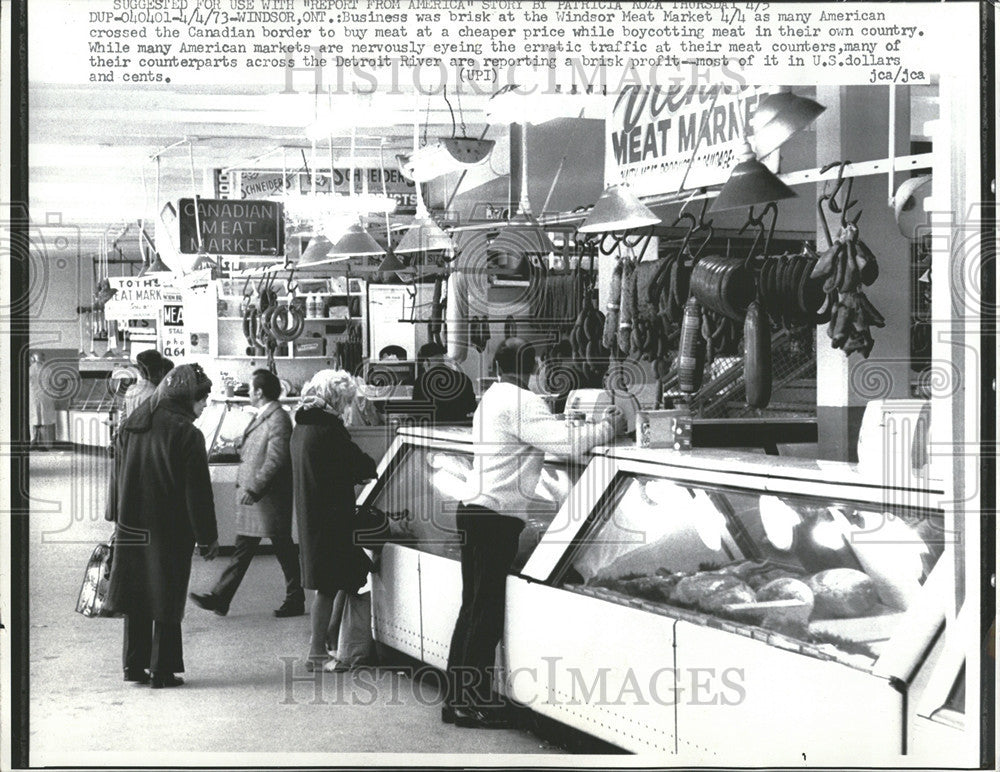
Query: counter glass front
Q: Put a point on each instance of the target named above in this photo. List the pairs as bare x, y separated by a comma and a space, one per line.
423, 488
223, 424
835, 575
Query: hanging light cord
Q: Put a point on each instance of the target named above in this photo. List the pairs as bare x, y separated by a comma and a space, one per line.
447, 102
701, 133
427, 120
461, 114
197, 219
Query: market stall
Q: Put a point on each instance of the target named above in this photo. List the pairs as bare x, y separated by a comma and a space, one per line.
657, 594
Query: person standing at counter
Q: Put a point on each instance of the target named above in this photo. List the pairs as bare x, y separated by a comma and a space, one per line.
264, 501
446, 390
326, 465
160, 499
512, 430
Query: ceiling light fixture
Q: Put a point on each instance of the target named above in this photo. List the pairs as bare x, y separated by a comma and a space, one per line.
424, 235
444, 156
779, 117
750, 183
618, 209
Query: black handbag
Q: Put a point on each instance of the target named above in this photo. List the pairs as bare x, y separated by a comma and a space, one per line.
94, 590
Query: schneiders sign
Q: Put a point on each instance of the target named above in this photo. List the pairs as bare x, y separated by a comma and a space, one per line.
653, 134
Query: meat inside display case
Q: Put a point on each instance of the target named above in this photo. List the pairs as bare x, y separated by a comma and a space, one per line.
831, 578
422, 491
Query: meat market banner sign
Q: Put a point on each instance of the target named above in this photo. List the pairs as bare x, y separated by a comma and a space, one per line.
655, 134
139, 297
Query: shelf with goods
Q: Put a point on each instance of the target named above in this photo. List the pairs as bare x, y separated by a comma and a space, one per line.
332, 307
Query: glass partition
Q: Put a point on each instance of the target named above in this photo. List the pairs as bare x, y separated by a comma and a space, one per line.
832, 574
223, 425
422, 490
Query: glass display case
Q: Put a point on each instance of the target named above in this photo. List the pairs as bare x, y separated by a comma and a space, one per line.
833, 578
423, 487
94, 395
223, 424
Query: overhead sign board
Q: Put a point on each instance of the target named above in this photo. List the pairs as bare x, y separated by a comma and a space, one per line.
661, 138
248, 227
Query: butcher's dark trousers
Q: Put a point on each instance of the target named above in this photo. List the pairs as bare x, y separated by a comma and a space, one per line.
489, 546
151, 645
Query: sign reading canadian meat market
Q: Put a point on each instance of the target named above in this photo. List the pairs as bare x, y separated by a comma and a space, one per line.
227, 227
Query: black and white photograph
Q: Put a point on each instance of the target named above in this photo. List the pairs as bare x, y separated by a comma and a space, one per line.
498, 383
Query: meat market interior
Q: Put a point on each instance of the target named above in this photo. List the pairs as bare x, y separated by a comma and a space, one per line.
775, 561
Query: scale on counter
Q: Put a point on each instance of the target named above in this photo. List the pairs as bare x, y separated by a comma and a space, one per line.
590, 405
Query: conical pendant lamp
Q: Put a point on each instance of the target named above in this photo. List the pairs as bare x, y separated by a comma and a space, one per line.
316, 251
157, 266
424, 235
750, 183
779, 117
522, 234
618, 209
356, 242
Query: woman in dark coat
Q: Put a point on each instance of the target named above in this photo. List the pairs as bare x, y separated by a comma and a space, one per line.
160, 497
326, 465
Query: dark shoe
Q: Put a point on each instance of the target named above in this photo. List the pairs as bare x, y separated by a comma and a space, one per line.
474, 718
291, 608
209, 602
137, 676
164, 681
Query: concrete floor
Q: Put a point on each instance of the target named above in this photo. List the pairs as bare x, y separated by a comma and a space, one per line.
238, 704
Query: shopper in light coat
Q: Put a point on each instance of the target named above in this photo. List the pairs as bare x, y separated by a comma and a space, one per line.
41, 405
264, 501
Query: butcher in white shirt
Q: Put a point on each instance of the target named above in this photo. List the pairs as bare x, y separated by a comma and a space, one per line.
512, 429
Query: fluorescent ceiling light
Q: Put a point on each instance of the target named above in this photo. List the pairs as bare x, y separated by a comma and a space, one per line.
444, 156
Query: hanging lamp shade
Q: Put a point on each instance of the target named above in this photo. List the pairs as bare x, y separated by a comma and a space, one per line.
618, 209
522, 236
425, 235
750, 183
316, 251
356, 242
157, 266
780, 117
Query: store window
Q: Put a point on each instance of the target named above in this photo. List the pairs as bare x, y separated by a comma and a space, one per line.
833, 575
423, 489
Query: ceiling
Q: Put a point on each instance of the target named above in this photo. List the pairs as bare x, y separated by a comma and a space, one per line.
93, 149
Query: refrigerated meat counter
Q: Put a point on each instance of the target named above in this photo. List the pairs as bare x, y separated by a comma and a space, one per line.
707, 606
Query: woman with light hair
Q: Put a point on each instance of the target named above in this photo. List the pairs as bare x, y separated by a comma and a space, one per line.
326, 465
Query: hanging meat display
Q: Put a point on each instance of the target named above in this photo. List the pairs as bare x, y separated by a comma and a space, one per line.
846, 266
